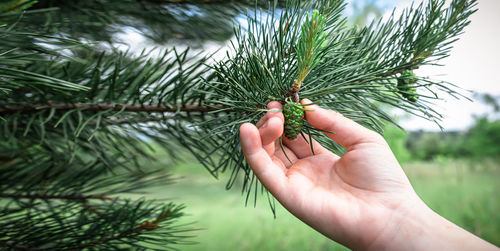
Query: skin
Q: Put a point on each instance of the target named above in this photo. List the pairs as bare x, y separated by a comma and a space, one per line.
361, 199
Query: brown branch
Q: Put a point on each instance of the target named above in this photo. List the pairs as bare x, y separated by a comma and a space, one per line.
181, 2
92, 209
17, 246
114, 237
293, 92
111, 122
41, 5
146, 225
51, 196
106, 106
398, 71
385, 75
108, 122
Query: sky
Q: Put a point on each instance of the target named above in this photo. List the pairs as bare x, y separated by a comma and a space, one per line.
474, 65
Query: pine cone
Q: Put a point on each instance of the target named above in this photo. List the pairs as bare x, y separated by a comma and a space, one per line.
294, 119
406, 86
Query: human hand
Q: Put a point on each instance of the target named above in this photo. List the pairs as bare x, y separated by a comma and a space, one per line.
361, 199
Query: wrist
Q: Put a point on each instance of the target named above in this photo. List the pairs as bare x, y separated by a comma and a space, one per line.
407, 228
417, 227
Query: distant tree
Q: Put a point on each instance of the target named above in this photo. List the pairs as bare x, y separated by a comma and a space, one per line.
483, 139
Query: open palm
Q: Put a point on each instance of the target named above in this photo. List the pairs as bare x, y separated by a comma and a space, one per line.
355, 199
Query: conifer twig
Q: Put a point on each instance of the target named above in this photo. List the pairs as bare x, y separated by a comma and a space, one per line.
92, 209
53, 196
146, 225
308, 50
17, 246
106, 106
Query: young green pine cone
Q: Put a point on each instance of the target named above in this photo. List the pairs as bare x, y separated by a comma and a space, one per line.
294, 119
406, 86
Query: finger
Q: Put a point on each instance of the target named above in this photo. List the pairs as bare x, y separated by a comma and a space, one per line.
345, 131
270, 132
302, 148
274, 108
269, 173
272, 128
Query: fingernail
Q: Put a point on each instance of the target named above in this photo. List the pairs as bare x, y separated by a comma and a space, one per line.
308, 104
306, 101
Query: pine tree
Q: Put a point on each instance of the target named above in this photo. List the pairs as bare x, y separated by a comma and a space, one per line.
78, 117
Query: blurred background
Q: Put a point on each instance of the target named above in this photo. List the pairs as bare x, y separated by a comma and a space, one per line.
453, 166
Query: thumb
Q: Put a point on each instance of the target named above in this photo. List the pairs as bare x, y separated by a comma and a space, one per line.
345, 131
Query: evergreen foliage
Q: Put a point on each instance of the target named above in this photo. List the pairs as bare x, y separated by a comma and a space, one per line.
77, 116
357, 70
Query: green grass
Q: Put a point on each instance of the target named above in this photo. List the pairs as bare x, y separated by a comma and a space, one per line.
225, 223
466, 194
467, 197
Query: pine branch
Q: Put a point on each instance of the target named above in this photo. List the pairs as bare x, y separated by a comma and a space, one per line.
104, 122
354, 71
49, 196
184, 2
56, 136
400, 70
388, 74
64, 226
17, 246
144, 226
191, 21
108, 107
92, 209
131, 121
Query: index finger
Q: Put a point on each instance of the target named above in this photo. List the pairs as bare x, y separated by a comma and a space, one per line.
270, 174
274, 109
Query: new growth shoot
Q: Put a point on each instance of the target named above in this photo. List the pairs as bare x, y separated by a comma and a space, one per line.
312, 37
